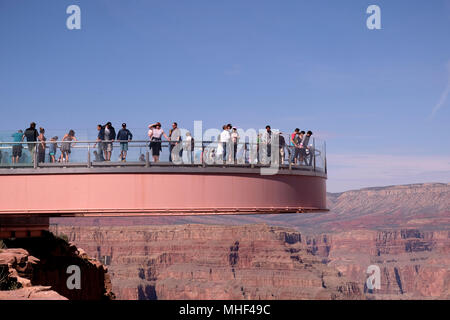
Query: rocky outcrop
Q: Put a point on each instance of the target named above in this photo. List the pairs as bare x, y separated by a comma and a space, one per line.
212, 262
31, 293
30, 267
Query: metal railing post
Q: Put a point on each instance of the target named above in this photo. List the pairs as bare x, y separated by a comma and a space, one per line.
147, 159
35, 156
89, 156
203, 155
314, 154
325, 155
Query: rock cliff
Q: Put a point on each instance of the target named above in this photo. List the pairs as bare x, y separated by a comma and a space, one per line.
414, 264
36, 268
212, 262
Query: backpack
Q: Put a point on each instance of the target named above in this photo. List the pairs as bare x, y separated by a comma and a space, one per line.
192, 143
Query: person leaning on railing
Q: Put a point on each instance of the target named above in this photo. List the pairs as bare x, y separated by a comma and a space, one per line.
17, 148
66, 144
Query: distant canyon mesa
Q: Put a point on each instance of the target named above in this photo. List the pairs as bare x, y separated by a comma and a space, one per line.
404, 230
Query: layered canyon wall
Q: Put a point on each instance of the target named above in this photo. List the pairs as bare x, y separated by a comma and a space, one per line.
212, 262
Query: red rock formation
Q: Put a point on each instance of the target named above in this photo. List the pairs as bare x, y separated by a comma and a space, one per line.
31, 293
212, 262
44, 264
414, 264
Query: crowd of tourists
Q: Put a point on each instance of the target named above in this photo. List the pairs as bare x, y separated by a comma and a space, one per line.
299, 149
37, 144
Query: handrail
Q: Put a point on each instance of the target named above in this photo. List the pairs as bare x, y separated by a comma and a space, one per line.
249, 153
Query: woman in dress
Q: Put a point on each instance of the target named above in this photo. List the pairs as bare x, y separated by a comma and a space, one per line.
65, 145
154, 133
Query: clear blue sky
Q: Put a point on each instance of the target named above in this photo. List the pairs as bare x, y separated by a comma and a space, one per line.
307, 64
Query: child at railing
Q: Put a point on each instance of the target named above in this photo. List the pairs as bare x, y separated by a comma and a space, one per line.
52, 149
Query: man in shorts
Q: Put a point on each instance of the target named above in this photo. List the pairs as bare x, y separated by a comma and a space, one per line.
124, 136
17, 147
109, 135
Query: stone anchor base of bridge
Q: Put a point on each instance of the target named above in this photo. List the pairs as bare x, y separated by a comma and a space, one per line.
23, 227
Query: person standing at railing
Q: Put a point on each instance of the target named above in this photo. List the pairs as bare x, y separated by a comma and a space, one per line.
41, 146
305, 149
66, 144
124, 136
267, 141
235, 141
175, 139
109, 134
224, 140
229, 146
297, 142
154, 133
189, 147
52, 149
300, 150
292, 146
100, 137
282, 145
31, 134
17, 148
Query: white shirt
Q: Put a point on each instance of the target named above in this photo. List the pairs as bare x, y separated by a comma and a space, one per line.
266, 137
225, 136
188, 142
157, 133
107, 133
235, 137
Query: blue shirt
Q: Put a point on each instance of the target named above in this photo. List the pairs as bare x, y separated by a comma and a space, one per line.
17, 137
124, 134
52, 148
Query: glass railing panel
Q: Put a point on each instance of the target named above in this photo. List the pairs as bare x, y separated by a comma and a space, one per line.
87, 151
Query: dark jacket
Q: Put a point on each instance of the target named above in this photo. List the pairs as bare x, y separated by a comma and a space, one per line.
31, 134
124, 135
112, 134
